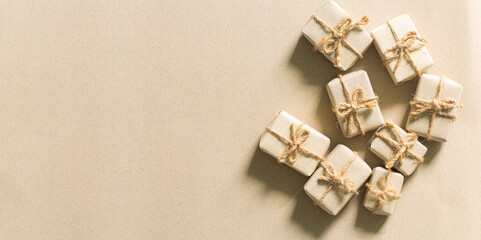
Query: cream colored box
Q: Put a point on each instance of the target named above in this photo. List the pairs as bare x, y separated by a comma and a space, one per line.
385, 150
384, 39
331, 13
427, 89
358, 171
371, 199
316, 143
370, 118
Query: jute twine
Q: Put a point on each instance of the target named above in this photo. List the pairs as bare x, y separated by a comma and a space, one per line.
331, 43
383, 193
349, 111
337, 179
409, 43
294, 145
437, 106
401, 146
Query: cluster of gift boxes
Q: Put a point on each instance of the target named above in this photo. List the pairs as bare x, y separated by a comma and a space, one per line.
336, 177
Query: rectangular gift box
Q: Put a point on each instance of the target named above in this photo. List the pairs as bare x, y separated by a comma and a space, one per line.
358, 171
331, 13
384, 39
427, 89
316, 143
370, 118
385, 150
371, 199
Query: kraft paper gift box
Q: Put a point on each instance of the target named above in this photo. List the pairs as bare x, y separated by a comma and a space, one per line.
397, 148
355, 90
383, 191
408, 51
348, 168
331, 14
294, 143
434, 107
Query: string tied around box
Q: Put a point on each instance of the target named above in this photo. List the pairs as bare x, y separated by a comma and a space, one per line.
355, 102
383, 192
437, 106
332, 42
294, 144
401, 145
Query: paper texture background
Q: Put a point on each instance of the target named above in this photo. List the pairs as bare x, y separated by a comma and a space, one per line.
141, 120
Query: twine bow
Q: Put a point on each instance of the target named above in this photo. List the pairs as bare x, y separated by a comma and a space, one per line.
402, 146
337, 179
331, 43
383, 193
349, 111
437, 106
294, 145
409, 43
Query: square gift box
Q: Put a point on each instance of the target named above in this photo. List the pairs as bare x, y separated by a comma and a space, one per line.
338, 37
402, 49
383, 192
434, 107
397, 148
354, 103
337, 180
294, 143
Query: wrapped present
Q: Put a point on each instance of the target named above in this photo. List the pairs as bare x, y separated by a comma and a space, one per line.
397, 148
401, 48
337, 180
355, 103
294, 143
434, 107
384, 189
337, 36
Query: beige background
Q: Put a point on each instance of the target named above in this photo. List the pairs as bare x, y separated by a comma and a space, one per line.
141, 120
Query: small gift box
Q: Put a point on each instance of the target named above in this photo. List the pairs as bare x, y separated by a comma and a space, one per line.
355, 103
401, 48
434, 107
384, 189
337, 180
397, 148
294, 143
337, 36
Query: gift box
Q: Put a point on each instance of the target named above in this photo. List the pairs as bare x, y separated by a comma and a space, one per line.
337, 180
401, 48
355, 103
383, 191
294, 143
337, 36
397, 148
434, 107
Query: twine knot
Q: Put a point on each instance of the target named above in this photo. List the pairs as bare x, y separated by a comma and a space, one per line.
349, 111
400, 145
409, 43
331, 43
383, 193
437, 106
